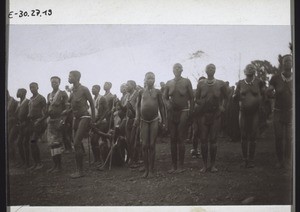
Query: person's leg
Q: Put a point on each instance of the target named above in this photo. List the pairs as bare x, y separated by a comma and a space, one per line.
194, 151
83, 127
21, 148
173, 145
253, 136
182, 135
35, 150
57, 158
26, 145
288, 156
153, 135
204, 141
134, 136
67, 138
213, 137
145, 145
128, 130
244, 141
54, 161
51, 139
12, 138
278, 130
95, 147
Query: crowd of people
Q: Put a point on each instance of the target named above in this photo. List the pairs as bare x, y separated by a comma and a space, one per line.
124, 130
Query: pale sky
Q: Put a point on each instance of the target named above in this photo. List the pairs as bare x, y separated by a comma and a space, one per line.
118, 53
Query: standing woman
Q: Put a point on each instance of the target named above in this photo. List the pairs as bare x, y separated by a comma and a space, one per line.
249, 93
282, 84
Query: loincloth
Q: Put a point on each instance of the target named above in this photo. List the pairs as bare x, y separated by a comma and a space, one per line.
149, 122
175, 115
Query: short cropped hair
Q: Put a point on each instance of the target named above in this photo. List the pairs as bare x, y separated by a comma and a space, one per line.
109, 84
210, 65
177, 65
55, 77
22, 90
97, 87
132, 83
33, 83
149, 73
76, 74
287, 55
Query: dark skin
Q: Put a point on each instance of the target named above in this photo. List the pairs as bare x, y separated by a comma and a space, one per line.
23, 139
283, 130
250, 94
34, 90
81, 126
73, 80
55, 83
34, 146
206, 92
129, 123
178, 92
149, 102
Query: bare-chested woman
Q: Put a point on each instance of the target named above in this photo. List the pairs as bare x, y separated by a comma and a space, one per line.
149, 102
210, 95
249, 92
180, 105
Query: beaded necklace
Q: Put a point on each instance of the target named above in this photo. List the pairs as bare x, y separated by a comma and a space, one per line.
249, 83
211, 82
286, 79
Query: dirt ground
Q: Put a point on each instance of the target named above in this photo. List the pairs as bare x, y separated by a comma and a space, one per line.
122, 186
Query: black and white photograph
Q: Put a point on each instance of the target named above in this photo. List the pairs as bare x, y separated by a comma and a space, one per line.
149, 114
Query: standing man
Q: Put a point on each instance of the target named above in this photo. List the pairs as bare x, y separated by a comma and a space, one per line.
110, 102
22, 126
56, 104
180, 105
79, 98
130, 115
210, 96
101, 110
282, 84
249, 93
149, 102
37, 109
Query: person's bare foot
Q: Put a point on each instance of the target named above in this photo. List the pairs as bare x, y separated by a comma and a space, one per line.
39, 166
101, 168
51, 170
76, 175
204, 169
213, 169
151, 174
57, 170
32, 167
145, 174
171, 171
180, 170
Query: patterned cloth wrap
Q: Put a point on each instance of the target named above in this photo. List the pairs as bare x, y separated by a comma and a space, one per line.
54, 136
